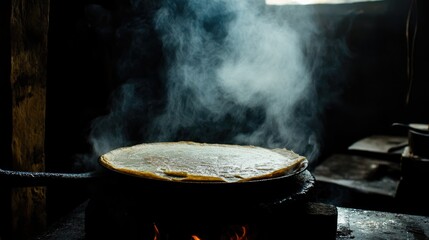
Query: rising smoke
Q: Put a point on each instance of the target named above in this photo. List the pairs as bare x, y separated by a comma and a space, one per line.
214, 71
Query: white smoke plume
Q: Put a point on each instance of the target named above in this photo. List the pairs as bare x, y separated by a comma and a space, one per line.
232, 72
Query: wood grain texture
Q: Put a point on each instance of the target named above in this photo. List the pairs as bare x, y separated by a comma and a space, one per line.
29, 50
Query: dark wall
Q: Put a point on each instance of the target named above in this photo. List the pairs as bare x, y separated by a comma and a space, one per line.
380, 73
373, 73
80, 80
80, 73
419, 100
5, 113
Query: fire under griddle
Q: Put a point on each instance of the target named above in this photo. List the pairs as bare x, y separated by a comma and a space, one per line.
118, 212
352, 224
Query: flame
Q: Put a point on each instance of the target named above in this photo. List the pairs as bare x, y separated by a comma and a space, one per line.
244, 235
156, 230
238, 235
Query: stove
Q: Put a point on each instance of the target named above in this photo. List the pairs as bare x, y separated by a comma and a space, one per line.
126, 212
121, 209
352, 223
274, 219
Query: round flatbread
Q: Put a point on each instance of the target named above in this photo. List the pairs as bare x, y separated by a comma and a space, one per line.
192, 161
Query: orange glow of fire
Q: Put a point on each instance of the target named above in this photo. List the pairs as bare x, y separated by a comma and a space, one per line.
237, 235
156, 230
243, 235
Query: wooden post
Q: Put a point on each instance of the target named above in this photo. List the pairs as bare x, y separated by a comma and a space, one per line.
29, 23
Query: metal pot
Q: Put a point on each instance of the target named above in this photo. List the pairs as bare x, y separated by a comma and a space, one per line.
418, 138
417, 127
418, 143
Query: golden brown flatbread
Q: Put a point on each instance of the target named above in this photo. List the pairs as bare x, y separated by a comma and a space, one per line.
192, 161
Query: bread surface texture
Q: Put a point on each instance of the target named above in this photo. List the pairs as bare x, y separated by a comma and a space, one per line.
202, 162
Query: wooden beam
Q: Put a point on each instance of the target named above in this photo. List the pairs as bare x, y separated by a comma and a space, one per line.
29, 38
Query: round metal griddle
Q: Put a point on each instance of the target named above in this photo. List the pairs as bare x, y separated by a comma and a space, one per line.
153, 200
293, 185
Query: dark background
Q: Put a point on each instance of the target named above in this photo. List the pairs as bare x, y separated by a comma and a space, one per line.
83, 51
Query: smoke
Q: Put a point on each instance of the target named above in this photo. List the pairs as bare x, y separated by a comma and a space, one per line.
215, 71
228, 58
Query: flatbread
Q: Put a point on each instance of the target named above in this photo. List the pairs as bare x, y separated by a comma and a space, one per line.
192, 161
